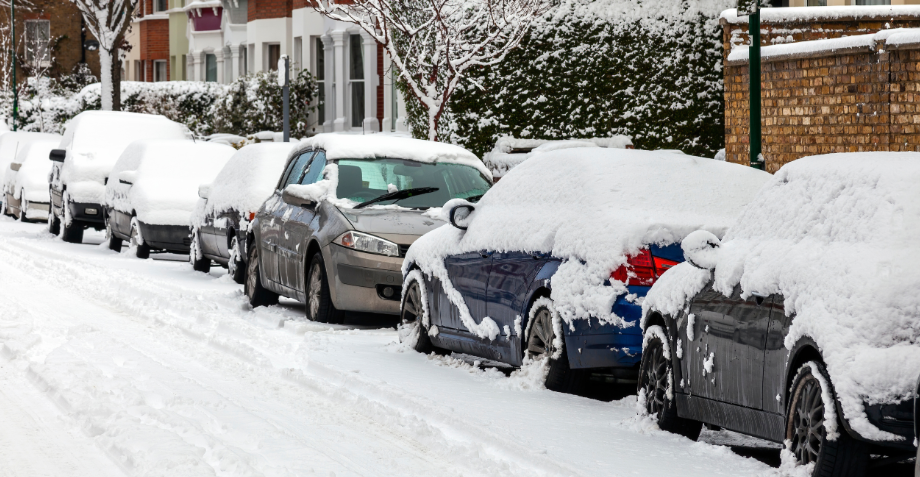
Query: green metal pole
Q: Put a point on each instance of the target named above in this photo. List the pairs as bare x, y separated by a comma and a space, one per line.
15, 92
754, 54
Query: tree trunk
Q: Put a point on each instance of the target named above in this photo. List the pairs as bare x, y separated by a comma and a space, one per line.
116, 82
105, 70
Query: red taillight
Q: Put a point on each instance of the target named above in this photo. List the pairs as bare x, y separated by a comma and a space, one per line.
252, 215
642, 269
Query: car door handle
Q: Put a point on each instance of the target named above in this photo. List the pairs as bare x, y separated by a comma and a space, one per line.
485, 254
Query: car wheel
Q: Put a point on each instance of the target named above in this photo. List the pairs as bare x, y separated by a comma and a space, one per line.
112, 242
23, 205
136, 245
258, 295
71, 230
199, 262
656, 375
806, 430
541, 344
3, 210
319, 301
235, 266
54, 223
415, 327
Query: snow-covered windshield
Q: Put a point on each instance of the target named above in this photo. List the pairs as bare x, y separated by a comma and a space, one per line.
361, 180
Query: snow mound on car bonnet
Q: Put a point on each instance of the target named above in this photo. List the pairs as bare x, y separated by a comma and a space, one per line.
353, 146
836, 235
32, 178
165, 189
249, 178
592, 208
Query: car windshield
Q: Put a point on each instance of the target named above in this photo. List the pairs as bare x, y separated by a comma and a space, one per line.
361, 180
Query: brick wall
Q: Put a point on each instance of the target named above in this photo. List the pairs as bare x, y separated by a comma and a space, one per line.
154, 44
858, 100
263, 9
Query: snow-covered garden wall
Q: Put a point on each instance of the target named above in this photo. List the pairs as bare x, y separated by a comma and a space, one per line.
648, 69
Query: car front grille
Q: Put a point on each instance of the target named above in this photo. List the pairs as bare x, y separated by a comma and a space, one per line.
403, 249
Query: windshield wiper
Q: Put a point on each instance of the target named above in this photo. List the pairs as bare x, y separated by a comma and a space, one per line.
398, 195
474, 198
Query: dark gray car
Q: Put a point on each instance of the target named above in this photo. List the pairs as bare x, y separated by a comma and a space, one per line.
344, 252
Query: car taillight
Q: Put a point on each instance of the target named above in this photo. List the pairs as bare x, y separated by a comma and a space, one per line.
252, 215
642, 269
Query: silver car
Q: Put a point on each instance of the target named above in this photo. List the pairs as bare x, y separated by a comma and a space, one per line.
343, 252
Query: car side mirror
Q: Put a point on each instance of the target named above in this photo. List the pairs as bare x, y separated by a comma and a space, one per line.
291, 199
204, 191
58, 155
701, 249
460, 216
15, 166
127, 177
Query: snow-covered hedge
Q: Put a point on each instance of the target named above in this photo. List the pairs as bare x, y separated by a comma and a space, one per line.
648, 69
250, 104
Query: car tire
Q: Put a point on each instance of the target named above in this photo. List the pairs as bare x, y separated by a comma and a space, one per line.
72, 233
235, 266
842, 457
22, 209
199, 262
257, 294
136, 244
319, 306
54, 223
412, 328
656, 373
541, 337
112, 242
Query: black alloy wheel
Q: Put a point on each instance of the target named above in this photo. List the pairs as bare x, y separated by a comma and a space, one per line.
319, 306
412, 327
541, 345
257, 294
202, 264
805, 429
137, 246
654, 373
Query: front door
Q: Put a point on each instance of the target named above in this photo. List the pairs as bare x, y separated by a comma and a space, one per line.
469, 276
509, 280
272, 221
298, 229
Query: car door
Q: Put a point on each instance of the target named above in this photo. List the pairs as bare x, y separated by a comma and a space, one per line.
706, 336
469, 275
775, 356
299, 229
509, 279
272, 219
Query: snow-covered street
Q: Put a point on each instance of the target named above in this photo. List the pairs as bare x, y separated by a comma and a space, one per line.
112, 365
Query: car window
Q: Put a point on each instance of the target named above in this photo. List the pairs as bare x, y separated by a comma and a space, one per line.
315, 171
364, 179
295, 171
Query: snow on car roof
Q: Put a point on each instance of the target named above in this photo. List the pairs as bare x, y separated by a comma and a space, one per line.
592, 207
11, 144
836, 236
510, 151
355, 146
249, 177
36, 165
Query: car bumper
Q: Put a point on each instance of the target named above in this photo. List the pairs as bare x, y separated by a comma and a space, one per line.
360, 280
172, 238
897, 419
591, 344
37, 210
87, 212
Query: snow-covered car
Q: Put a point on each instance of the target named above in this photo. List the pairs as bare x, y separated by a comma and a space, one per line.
229, 204
25, 184
11, 143
510, 151
802, 323
554, 261
93, 141
336, 229
153, 191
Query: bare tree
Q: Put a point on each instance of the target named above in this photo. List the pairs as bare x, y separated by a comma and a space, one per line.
432, 43
108, 21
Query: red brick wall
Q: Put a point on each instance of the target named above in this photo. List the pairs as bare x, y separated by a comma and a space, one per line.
154, 44
263, 9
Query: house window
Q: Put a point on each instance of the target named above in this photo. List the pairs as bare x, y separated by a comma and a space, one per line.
210, 68
274, 54
298, 54
356, 80
244, 53
873, 2
817, 3
138, 71
160, 6
159, 70
38, 37
320, 73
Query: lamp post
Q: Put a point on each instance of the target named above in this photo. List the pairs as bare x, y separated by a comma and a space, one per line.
753, 12
13, 54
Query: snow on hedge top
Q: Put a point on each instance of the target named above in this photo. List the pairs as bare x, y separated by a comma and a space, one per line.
836, 236
94, 141
164, 177
249, 178
804, 14
592, 207
356, 146
32, 177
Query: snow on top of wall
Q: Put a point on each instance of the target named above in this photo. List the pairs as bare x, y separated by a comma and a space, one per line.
889, 37
165, 175
248, 178
366, 146
591, 207
804, 14
32, 177
902, 36
836, 236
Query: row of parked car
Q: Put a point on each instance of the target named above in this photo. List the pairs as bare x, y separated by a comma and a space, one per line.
732, 297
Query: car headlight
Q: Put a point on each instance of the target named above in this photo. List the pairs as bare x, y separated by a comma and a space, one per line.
368, 243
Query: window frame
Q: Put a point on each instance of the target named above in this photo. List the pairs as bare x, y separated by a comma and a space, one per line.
353, 106
45, 59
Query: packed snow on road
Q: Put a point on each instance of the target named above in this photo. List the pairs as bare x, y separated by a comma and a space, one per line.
110, 365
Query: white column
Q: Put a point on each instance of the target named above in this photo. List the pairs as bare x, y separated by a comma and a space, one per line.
328, 74
234, 63
219, 56
192, 66
371, 80
340, 88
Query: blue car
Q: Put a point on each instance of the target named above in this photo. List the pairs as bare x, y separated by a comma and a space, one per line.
497, 282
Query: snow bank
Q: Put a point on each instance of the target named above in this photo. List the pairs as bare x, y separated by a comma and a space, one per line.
592, 207
248, 178
32, 178
806, 14
355, 146
94, 140
898, 36
836, 235
511, 151
165, 176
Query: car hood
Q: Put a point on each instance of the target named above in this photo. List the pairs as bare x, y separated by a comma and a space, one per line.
399, 225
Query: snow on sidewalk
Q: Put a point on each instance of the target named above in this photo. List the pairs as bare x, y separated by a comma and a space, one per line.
169, 372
